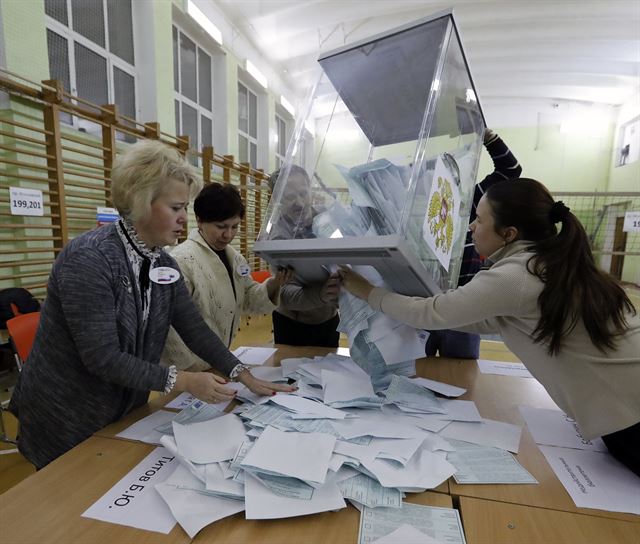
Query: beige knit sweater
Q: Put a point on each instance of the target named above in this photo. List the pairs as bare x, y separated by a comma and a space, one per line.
598, 390
208, 282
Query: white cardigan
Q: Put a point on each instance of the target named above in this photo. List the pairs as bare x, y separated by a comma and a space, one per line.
208, 283
599, 390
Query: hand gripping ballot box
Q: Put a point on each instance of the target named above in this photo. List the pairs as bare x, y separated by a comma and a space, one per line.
398, 135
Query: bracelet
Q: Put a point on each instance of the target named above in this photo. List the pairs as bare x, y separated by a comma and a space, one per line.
171, 379
237, 370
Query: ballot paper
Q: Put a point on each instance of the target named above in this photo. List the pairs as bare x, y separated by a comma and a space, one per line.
404, 392
268, 373
440, 524
169, 442
405, 534
193, 413
399, 450
396, 341
284, 486
203, 442
345, 386
428, 422
483, 465
367, 491
425, 470
261, 503
402, 344
193, 509
217, 483
555, 428
376, 424
504, 369
253, 355
133, 501
305, 406
185, 399
144, 430
595, 479
289, 366
439, 387
496, 434
299, 455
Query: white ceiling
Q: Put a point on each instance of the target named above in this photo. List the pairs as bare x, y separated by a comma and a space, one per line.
585, 50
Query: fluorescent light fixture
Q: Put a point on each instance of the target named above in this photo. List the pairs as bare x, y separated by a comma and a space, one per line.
309, 125
287, 105
256, 74
204, 21
471, 96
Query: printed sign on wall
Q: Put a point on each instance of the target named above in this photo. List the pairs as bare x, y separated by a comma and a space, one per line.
631, 222
26, 201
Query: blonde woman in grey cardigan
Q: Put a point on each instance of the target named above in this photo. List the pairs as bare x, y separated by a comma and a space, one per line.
571, 324
112, 295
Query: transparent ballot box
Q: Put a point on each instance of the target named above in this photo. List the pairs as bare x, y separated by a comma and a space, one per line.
389, 179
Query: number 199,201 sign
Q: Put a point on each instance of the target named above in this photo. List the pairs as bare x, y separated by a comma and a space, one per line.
25, 201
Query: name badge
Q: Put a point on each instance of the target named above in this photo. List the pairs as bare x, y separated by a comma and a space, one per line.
243, 269
164, 275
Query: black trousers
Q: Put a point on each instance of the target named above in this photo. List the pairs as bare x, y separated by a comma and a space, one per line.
293, 333
624, 445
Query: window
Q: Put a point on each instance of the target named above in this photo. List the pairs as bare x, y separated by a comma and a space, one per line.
90, 49
192, 82
281, 140
247, 125
629, 148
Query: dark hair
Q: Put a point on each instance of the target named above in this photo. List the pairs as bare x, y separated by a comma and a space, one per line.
574, 287
217, 202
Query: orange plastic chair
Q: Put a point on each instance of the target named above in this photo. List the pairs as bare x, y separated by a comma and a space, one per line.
22, 332
260, 275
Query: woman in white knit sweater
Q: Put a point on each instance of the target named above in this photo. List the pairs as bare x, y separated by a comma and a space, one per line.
571, 324
217, 276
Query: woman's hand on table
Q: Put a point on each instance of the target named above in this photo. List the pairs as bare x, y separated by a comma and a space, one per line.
205, 386
262, 387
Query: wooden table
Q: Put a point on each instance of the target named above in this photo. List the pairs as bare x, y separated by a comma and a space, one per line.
490, 522
47, 507
498, 397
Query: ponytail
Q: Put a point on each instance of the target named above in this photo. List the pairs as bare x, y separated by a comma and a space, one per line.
574, 288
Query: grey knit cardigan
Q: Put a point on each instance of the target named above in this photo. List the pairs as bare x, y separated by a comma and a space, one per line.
90, 363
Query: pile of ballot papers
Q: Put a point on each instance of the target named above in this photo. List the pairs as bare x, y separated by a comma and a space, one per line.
334, 439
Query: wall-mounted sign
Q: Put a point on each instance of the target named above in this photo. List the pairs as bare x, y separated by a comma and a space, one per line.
25, 201
631, 222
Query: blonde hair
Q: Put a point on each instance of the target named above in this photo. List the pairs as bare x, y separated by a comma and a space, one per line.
141, 173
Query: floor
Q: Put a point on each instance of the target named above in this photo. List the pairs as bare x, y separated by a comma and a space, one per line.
255, 331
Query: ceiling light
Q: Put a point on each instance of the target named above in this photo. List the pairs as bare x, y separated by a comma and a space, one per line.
287, 105
255, 73
204, 21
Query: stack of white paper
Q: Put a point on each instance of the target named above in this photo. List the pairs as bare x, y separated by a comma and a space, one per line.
297, 454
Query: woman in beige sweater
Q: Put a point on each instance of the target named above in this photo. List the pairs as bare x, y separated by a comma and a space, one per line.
217, 276
572, 325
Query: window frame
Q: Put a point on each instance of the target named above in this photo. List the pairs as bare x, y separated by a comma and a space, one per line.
280, 146
246, 134
181, 99
112, 61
